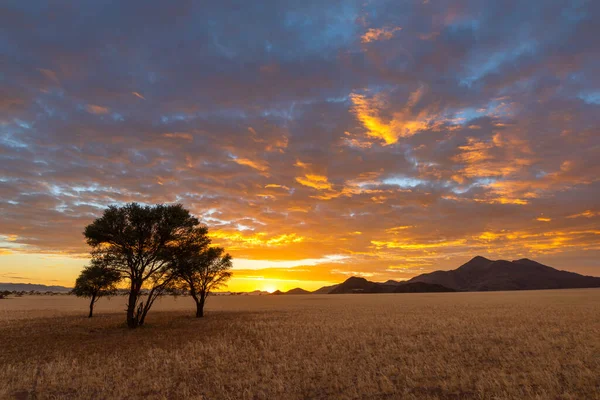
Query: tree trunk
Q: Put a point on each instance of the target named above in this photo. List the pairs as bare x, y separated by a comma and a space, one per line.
200, 307
92, 306
132, 317
145, 309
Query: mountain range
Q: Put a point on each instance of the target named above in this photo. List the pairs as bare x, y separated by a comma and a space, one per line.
27, 287
479, 274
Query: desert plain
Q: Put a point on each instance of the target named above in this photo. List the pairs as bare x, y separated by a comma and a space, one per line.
490, 345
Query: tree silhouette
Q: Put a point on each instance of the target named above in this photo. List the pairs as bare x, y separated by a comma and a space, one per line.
138, 241
200, 268
95, 281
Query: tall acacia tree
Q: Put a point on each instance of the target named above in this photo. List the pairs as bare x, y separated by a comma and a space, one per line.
200, 268
95, 281
138, 241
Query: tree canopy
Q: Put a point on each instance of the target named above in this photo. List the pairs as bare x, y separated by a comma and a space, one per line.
95, 281
200, 268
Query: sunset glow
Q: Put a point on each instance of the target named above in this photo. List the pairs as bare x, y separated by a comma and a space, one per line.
316, 140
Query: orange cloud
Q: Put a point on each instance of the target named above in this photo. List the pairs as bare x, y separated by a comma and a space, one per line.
402, 123
585, 214
11, 238
275, 186
479, 160
259, 165
416, 245
179, 135
318, 182
98, 110
376, 34
257, 239
547, 242
398, 229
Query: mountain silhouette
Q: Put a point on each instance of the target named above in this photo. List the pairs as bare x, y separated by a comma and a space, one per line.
421, 287
361, 285
482, 274
325, 289
297, 291
27, 287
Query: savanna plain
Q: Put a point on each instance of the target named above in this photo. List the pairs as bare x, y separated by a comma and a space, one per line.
501, 345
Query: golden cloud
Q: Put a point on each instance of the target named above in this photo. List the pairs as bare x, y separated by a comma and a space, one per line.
403, 123
257, 239
259, 165
376, 34
318, 182
585, 214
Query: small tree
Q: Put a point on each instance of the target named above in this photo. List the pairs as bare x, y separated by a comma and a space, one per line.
96, 281
201, 268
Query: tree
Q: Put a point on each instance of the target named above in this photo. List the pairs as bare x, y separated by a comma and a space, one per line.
138, 241
200, 268
96, 281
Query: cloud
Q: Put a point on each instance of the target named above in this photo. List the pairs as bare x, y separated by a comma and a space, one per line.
450, 137
585, 214
376, 34
258, 165
403, 122
98, 110
318, 182
179, 135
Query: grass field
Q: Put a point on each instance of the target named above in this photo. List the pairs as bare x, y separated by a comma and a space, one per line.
503, 345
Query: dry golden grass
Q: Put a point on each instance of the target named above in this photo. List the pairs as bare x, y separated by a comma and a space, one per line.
511, 345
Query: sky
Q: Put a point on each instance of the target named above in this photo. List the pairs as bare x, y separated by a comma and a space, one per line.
316, 140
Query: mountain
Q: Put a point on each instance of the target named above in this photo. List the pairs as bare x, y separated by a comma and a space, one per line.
255, 293
297, 291
481, 274
421, 287
361, 285
325, 289
356, 284
27, 287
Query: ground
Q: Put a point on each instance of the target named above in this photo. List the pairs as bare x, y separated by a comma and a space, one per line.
503, 345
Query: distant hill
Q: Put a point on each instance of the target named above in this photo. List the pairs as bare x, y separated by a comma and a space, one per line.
292, 291
325, 289
421, 287
297, 291
361, 285
481, 274
27, 287
256, 293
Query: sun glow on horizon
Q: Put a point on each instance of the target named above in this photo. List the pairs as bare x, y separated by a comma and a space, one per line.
269, 289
